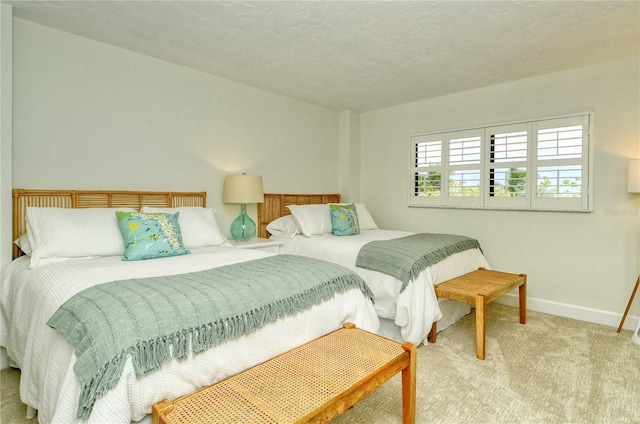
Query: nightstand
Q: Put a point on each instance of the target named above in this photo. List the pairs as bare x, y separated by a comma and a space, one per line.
258, 243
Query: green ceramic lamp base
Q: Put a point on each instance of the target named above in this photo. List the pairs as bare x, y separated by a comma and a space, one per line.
243, 227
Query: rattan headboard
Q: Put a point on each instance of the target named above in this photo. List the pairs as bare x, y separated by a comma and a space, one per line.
95, 199
275, 206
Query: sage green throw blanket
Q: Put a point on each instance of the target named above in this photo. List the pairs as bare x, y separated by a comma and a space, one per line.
159, 318
406, 257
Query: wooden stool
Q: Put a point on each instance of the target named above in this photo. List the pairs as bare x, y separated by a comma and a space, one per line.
479, 288
312, 383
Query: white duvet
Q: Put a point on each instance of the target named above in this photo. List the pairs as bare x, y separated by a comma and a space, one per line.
416, 308
30, 297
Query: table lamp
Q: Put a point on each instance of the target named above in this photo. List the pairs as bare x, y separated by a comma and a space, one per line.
243, 189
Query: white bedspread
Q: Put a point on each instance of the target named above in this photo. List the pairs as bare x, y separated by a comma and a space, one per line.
30, 297
416, 308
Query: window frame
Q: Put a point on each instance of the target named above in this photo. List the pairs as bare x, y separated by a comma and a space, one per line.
530, 200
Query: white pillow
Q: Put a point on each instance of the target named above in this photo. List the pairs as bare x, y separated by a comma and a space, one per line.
313, 220
285, 226
198, 226
23, 243
365, 220
57, 234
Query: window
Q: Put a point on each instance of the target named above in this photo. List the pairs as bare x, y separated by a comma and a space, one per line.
428, 157
535, 165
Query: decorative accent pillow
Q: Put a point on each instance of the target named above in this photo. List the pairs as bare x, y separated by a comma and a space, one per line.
285, 226
58, 234
198, 226
344, 220
313, 220
364, 217
150, 235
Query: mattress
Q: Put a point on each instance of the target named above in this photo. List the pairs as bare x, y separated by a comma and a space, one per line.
413, 310
46, 359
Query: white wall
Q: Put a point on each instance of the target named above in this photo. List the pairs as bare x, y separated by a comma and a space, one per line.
92, 116
6, 73
350, 167
579, 265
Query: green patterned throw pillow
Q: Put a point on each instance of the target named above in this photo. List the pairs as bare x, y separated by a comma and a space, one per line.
150, 235
344, 220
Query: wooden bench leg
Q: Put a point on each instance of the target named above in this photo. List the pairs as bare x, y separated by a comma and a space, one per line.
160, 410
481, 322
522, 294
409, 386
432, 333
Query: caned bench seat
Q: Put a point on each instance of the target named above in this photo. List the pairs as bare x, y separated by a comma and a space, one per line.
312, 383
479, 288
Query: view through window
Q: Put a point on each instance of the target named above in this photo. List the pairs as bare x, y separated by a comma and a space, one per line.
533, 165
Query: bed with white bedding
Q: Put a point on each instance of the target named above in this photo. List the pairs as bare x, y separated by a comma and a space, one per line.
406, 314
30, 295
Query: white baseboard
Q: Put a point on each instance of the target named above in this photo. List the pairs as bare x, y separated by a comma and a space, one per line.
596, 316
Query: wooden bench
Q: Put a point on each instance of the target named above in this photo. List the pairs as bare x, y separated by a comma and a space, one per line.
312, 383
479, 288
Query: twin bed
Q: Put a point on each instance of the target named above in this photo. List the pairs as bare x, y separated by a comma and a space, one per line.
70, 249
407, 311
65, 258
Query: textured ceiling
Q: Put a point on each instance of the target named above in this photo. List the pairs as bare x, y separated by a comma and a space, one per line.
360, 55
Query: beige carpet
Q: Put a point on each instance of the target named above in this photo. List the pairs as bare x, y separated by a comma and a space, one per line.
551, 370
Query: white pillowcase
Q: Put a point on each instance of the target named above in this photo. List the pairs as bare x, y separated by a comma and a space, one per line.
364, 218
285, 226
313, 220
57, 234
23, 243
198, 226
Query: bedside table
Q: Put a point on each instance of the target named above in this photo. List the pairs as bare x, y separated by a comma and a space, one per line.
258, 243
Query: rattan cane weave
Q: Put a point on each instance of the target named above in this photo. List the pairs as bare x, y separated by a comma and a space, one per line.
312, 383
479, 288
